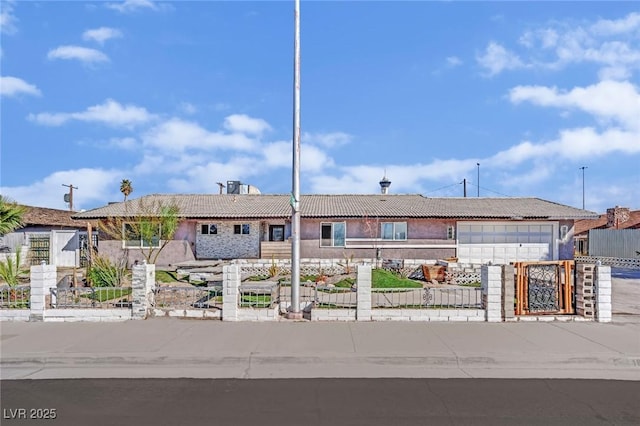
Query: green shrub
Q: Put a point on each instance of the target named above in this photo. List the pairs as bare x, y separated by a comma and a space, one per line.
104, 273
12, 269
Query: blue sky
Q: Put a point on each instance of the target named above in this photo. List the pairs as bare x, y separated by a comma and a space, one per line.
176, 96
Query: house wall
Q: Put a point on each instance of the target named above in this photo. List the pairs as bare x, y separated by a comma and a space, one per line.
174, 252
226, 244
426, 239
566, 245
63, 243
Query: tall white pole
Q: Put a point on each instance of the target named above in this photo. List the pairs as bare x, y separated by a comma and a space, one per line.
478, 183
583, 167
294, 311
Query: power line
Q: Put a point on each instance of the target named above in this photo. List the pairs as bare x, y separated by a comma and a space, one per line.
490, 190
444, 187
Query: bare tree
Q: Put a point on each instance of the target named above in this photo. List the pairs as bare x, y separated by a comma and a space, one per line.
150, 227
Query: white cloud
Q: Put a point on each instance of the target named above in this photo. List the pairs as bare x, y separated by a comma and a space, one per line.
614, 73
203, 178
102, 34
607, 100
242, 123
188, 108
13, 86
129, 6
92, 185
328, 140
496, 59
312, 158
7, 19
83, 54
628, 24
179, 135
127, 143
612, 44
453, 61
110, 113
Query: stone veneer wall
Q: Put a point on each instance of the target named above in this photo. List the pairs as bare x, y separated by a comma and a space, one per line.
227, 245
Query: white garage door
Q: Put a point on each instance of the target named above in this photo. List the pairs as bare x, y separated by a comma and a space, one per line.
504, 242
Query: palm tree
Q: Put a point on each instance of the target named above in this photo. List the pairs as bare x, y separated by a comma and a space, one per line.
126, 188
10, 215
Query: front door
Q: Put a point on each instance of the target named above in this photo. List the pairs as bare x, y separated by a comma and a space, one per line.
276, 232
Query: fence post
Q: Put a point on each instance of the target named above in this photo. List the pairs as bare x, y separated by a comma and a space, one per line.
230, 286
508, 292
603, 293
492, 292
363, 307
43, 279
142, 286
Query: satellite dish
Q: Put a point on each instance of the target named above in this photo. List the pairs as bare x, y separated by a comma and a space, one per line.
67, 198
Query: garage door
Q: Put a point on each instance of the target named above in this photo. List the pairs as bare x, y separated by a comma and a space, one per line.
504, 242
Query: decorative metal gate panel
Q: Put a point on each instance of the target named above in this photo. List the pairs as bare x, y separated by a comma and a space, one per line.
544, 288
39, 249
84, 247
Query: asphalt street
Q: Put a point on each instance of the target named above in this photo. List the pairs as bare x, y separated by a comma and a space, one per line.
371, 402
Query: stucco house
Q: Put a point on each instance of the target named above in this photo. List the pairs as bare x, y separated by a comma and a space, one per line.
49, 235
383, 226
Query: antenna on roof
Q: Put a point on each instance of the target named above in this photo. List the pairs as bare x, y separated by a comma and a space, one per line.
221, 185
385, 183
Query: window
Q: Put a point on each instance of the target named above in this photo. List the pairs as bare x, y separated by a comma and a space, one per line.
394, 231
332, 234
209, 229
451, 232
142, 235
564, 230
242, 229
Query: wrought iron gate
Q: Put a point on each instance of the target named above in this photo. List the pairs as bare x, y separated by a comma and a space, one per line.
39, 249
544, 288
84, 247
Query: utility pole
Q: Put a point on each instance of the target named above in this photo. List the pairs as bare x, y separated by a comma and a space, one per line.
478, 164
294, 311
68, 198
582, 168
221, 185
464, 183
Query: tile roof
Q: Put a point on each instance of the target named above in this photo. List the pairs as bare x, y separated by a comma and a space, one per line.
226, 206
583, 226
50, 217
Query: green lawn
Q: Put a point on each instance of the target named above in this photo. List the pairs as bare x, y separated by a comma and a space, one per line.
167, 276
105, 293
386, 279
255, 301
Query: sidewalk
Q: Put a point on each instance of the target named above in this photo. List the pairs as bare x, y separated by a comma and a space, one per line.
166, 348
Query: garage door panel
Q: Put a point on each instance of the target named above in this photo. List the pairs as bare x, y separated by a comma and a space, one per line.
505, 242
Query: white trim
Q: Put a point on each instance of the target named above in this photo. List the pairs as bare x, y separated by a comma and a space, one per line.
400, 246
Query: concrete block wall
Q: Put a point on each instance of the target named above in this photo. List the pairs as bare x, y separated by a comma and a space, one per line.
491, 278
87, 314
230, 287
453, 315
333, 315
143, 283
15, 314
186, 313
508, 292
586, 290
363, 310
603, 293
43, 279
